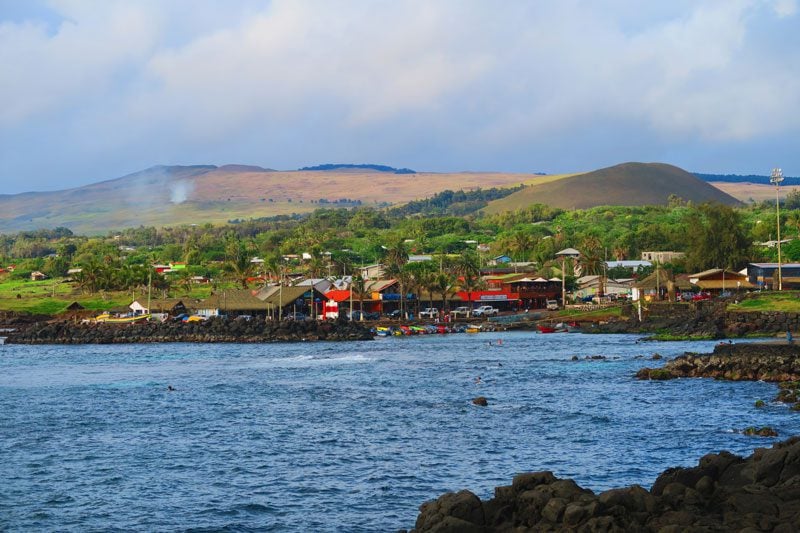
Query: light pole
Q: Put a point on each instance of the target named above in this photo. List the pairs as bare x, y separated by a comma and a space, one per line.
777, 178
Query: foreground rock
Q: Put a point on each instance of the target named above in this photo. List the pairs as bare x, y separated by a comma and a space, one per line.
736, 362
723, 493
213, 330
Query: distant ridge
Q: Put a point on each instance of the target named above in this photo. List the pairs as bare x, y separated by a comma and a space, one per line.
347, 166
628, 184
749, 178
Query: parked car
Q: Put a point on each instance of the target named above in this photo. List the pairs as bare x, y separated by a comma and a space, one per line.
296, 316
367, 315
460, 312
552, 305
485, 310
429, 312
394, 314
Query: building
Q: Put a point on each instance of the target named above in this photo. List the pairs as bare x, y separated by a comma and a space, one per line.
765, 275
590, 286
717, 281
38, 276
662, 257
163, 306
631, 265
232, 302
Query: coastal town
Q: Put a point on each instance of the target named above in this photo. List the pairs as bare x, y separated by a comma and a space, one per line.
425, 267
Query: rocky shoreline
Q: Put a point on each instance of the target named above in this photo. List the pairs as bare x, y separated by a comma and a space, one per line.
774, 362
724, 492
212, 330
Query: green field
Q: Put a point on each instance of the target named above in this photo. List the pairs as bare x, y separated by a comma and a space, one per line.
784, 301
51, 297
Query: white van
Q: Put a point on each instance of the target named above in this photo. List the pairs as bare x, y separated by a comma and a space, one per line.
552, 305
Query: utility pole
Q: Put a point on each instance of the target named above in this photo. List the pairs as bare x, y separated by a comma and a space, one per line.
777, 177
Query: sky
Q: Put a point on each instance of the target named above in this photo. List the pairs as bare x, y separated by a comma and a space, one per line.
93, 90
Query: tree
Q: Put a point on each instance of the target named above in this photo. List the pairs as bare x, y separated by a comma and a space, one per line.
395, 258
359, 290
716, 238
237, 262
793, 219
467, 268
521, 245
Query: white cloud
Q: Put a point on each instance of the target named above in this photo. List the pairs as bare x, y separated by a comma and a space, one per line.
295, 82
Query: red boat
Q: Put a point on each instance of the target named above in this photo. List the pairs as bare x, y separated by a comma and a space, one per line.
545, 329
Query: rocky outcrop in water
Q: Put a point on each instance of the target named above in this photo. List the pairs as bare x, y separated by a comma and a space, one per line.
736, 362
213, 330
723, 493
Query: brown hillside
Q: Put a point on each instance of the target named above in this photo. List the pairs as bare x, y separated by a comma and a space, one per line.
165, 196
630, 184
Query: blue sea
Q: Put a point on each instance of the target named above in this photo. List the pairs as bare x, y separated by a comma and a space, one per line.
342, 436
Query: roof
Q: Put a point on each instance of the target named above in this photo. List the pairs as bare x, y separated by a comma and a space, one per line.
569, 252
234, 300
338, 295
378, 285
628, 263
660, 278
284, 296
775, 265
729, 284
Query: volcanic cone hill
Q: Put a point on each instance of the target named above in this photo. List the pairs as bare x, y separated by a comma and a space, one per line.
630, 184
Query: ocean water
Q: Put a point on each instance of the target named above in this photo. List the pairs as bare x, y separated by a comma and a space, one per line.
341, 436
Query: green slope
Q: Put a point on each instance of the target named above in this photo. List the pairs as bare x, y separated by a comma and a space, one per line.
629, 184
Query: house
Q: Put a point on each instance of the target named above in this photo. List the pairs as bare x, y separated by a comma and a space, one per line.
717, 280
631, 265
660, 285
37, 276
163, 306
533, 292
321, 284
375, 271
662, 257
499, 260
417, 258
596, 286
281, 301
233, 302
765, 275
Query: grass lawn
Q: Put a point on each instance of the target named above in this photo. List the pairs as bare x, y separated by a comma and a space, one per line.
50, 297
785, 301
599, 314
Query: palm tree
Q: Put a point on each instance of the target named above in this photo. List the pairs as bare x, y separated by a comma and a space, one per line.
521, 245
793, 219
469, 273
444, 285
358, 288
395, 257
238, 262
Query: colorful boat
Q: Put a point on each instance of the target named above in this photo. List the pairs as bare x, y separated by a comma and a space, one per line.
110, 319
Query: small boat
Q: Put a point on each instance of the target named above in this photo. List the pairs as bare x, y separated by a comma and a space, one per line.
473, 329
546, 329
382, 331
110, 319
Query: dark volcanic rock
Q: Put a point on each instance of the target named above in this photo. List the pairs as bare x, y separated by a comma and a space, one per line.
736, 362
723, 493
213, 330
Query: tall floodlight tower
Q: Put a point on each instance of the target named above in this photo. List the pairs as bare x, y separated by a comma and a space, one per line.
777, 177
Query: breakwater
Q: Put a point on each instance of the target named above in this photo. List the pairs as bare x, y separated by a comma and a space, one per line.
724, 492
212, 330
736, 362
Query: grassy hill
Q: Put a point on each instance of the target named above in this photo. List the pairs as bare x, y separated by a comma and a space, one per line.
626, 184
162, 196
